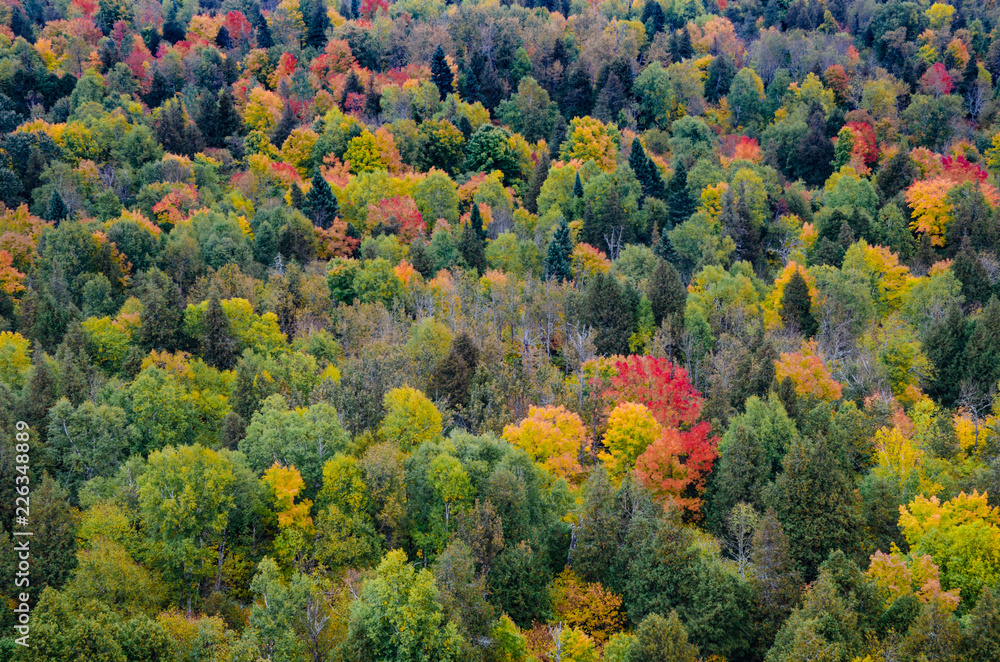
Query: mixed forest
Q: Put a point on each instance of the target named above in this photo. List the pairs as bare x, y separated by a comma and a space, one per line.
531, 330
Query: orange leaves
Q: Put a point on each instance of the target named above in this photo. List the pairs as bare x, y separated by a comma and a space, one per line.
675, 466
10, 278
898, 575
334, 242
587, 606
808, 373
287, 483
177, 205
553, 436
587, 261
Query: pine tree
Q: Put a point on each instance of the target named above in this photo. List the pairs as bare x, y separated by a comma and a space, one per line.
284, 127
970, 77
163, 314
684, 47
578, 186
664, 248
222, 39
218, 344
982, 352
56, 209
667, 294
945, 347
321, 204
557, 257
356, 8
610, 314
262, 30
441, 74
796, 306
453, 377
318, 23
265, 244
470, 246
298, 199
173, 31
229, 122
656, 22
969, 270
538, 176
812, 160
40, 392
678, 199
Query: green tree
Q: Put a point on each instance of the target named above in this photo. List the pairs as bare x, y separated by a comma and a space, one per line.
398, 616
452, 379
659, 639
679, 203
470, 245
611, 312
56, 210
218, 344
185, 496
321, 205
318, 22
982, 351
491, 148
85, 442
557, 256
667, 295
441, 74
54, 524
796, 307
162, 314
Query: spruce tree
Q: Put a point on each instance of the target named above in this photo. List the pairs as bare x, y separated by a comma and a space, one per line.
557, 257
229, 121
163, 308
637, 161
975, 281
173, 31
453, 377
218, 344
538, 176
56, 210
578, 186
318, 23
667, 294
982, 352
796, 306
611, 315
321, 204
356, 8
470, 246
679, 203
945, 347
298, 198
262, 31
441, 74
812, 159
265, 244
664, 248
222, 39
286, 123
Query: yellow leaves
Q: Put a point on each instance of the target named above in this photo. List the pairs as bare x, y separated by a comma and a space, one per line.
15, 360
411, 418
287, 483
711, 199
931, 209
297, 149
553, 436
939, 14
897, 456
587, 606
631, 429
808, 373
889, 280
364, 153
263, 109
897, 576
588, 261
589, 139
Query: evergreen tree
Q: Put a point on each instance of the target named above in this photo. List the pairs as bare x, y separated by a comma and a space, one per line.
815, 501
970, 77
969, 270
222, 39
796, 306
557, 257
262, 30
654, 19
441, 74
40, 393
646, 171
684, 47
721, 72
286, 123
265, 244
453, 377
667, 295
812, 160
471, 248
218, 344
476, 221
982, 352
229, 122
173, 31
538, 177
421, 258
318, 23
678, 199
578, 186
611, 314
321, 204
945, 347
56, 210
982, 639
163, 309
54, 525
298, 198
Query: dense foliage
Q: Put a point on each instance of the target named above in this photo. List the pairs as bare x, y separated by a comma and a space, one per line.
555, 330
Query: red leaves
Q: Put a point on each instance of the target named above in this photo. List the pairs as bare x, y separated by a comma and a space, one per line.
958, 169
660, 385
399, 214
936, 80
674, 466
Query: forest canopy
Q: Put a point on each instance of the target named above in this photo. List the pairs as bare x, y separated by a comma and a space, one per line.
501, 331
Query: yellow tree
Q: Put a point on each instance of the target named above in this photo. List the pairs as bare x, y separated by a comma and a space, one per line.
553, 436
931, 209
287, 483
410, 419
962, 535
631, 429
808, 373
589, 139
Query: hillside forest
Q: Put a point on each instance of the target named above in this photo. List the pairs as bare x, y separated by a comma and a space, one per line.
500, 331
